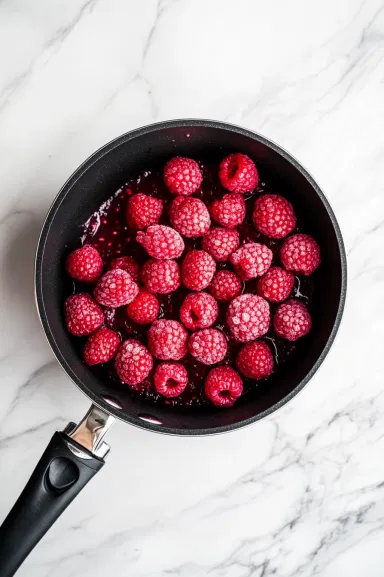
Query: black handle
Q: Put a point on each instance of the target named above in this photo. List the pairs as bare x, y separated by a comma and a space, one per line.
59, 476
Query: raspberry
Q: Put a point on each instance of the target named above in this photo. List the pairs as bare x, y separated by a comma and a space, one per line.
300, 253
251, 260
189, 216
225, 285
144, 309
167, 340
128, 264
248, 317
101, 347
221, 243
292, 320
143, 211
116, 289
255, 360
276, 285
197, 270
82, 315
84, 264
133, 362
273, 216
238, 173
161, 242
198, 311
223, 386
208, 346
182, 175
161, 276
229, 211
170, 379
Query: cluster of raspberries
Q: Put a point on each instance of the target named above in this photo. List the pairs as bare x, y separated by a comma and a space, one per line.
169, 266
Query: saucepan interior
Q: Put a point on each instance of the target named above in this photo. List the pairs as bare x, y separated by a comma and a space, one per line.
109, 168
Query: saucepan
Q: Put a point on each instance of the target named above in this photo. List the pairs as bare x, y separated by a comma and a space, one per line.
75, 455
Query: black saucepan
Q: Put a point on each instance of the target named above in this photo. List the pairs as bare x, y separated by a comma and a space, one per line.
74, 456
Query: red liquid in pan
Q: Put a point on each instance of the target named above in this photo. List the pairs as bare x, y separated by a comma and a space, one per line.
107, 231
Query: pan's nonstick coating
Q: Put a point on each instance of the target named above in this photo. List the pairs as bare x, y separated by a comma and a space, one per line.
151, 146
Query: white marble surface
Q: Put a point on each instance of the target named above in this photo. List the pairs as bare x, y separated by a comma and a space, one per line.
301, 493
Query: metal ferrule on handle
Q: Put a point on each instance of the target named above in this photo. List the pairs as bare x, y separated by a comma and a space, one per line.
71, 460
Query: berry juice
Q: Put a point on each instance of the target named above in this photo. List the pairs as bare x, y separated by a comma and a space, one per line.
108, 232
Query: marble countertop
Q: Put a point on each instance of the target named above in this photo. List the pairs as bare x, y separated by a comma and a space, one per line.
302, 492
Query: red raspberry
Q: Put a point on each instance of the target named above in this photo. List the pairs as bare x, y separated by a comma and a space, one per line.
161, 242
248, 317
292, 320
197, 270
101, 347
229, 211
144, 309
116, 289
208, 346
221, 243
84, 264
276, 285
238, 173
182, 175
300, 253
143, 211
189, 216
170, 379
133, 362
198, 311
251, 260
128, 264
161, 276
273, 216
223, 386
225, 285
255, 360
82, 315
167, 340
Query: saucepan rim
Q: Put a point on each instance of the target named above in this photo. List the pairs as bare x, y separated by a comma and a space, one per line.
106, 149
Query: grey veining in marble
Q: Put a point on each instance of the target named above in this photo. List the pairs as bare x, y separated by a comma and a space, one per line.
301, 493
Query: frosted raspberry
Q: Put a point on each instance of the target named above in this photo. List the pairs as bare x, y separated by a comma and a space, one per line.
251, 260
248, 317
116, 289
143, 211
229, 211
292, 320
221, 243
182, 175
161, 242
82, 315
161, 276
208, 346
128, 264
189, 216
238, 173
276, 285
144, 309
223, 386
170, 379
255, 360
225, 286
84, 264
197, 270
101, 347
133, 362
198, 311
300, 253
167, 340
273, 216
